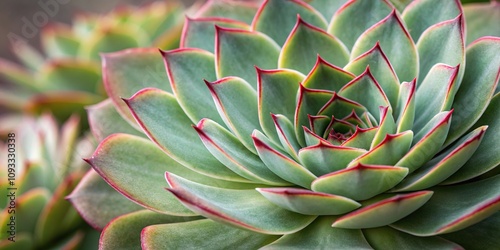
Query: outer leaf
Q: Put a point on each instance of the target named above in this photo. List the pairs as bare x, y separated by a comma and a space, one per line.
321, 235
204, 234
388, 238
83, 75
383, 212
155, 110
242, 208
486, 157
367, 13
481, 19
422, 14
128, 71
453, 208
276, 18
396, 44
200, 32
274, 88
124, 232
104, 120
451, 37
307, 41
307, 202
186, 69
282, 165
478, 85
237, 10
238, 51
482, 234
93, 190
241, 116
327, 7
360, 182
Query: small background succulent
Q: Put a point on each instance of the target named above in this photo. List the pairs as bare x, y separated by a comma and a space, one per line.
65, 76
48, 167
326, 124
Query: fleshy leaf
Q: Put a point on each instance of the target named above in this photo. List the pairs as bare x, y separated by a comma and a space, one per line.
242, 208
427, 142
307, 202
381, 69
237, 52
124, 232
238, 10
405, 111
200, 32
486, 157
420, 15
453, 208
327, 76
362, 138
282, 165
435, 94
240, 117
93, 190
389, 238
186, 69
232, 153
203, 234
477, 87
59, 41
104, 120
286, 135
482, 235
360, 182
383, 210
274, 88
324, 158
276, 18
450, 35
320, 235
83, 75
388, 152
387, 125
305, 42
155, 110
396, 44
367, 13
126, 72
327, 7
481, 20
443, 165
366, 91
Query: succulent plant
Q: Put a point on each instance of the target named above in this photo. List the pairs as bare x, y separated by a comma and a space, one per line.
41, 164
377, 129
65, 76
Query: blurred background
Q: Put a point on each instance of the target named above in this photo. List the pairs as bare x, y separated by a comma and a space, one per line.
16, 15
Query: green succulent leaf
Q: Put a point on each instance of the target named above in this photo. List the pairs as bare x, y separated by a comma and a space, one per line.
233, 154
273, 94
367, 13
327, 76
237, 10
389, 238
420, 15
104, 120
124, 232
307, 202
326, 7
305, 42
453, 208
482, 234
205, 234
59, 41
278, 17
360, 182
155, 110
320, 234
56, 73
200, 32
324, 158
128, 71
92, 190
481, 20
186, 69
238, 51
387, 125
362, 138
396, 44
381, 69
286, 135
478, 85
405, 109
242, 208
383, 210
485, 158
